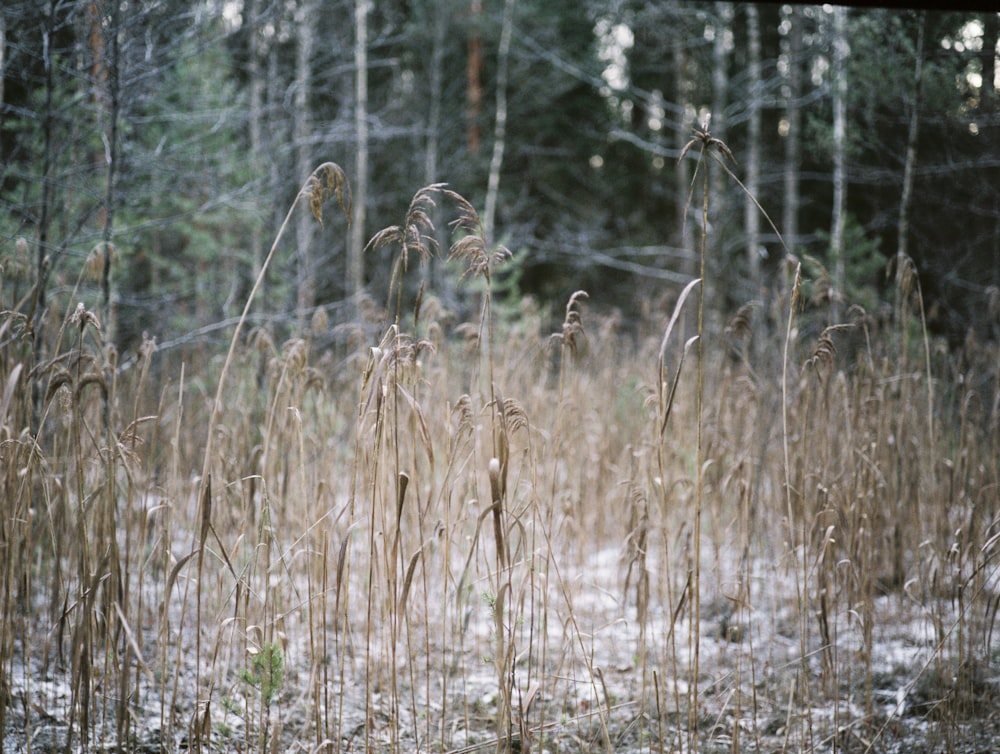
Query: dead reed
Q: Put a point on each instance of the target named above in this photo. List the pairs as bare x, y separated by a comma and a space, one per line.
513, 541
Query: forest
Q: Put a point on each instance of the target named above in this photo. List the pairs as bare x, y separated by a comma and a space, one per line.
149, 150
499, 376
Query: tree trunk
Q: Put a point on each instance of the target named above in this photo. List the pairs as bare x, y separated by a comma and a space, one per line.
500, 126
274, 94
439, 21
304, 227
439, 280
355, 259
3, 49
840, 53
39, 302
903, 224
751, 213
793, 126
988, 97
473, 73
685, 234
988, 56
717, 125
107, 83
720, 68
255, 117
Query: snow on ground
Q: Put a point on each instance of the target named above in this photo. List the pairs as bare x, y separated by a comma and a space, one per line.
891, 678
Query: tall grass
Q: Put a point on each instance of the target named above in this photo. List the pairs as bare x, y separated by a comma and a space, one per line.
477, 536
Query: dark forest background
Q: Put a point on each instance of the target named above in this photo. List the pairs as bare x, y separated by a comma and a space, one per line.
150, 149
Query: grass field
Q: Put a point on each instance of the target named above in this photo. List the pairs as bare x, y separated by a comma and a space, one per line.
766, 534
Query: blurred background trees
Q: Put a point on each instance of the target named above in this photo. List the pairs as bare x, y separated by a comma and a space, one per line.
148, 151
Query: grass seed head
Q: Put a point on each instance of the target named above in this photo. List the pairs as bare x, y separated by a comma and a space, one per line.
82, 317
94, 266
740, 324
320, 322
328, 180
572, 334
295, 355
17, 264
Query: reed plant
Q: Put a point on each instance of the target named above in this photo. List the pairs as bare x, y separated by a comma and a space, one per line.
779, 535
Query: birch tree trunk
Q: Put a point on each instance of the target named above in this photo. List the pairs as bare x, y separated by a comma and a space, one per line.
750, 211
840, 53
356, 246
717, 187
303, 163
720, 68
439, 280
102, 36
439, 20
903, 224
112, 101
793, 124
255, 117
273, 93
473, 83
47, 198
500, 126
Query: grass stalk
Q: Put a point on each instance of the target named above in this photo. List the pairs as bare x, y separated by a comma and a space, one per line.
353, 548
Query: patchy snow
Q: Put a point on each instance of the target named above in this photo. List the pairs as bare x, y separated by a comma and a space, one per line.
591, 669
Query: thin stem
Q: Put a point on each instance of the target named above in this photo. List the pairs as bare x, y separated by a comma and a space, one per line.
699, 485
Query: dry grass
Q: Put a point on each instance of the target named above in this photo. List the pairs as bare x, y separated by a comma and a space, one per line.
511, 541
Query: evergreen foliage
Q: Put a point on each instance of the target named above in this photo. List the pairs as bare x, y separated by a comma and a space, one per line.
601, 98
